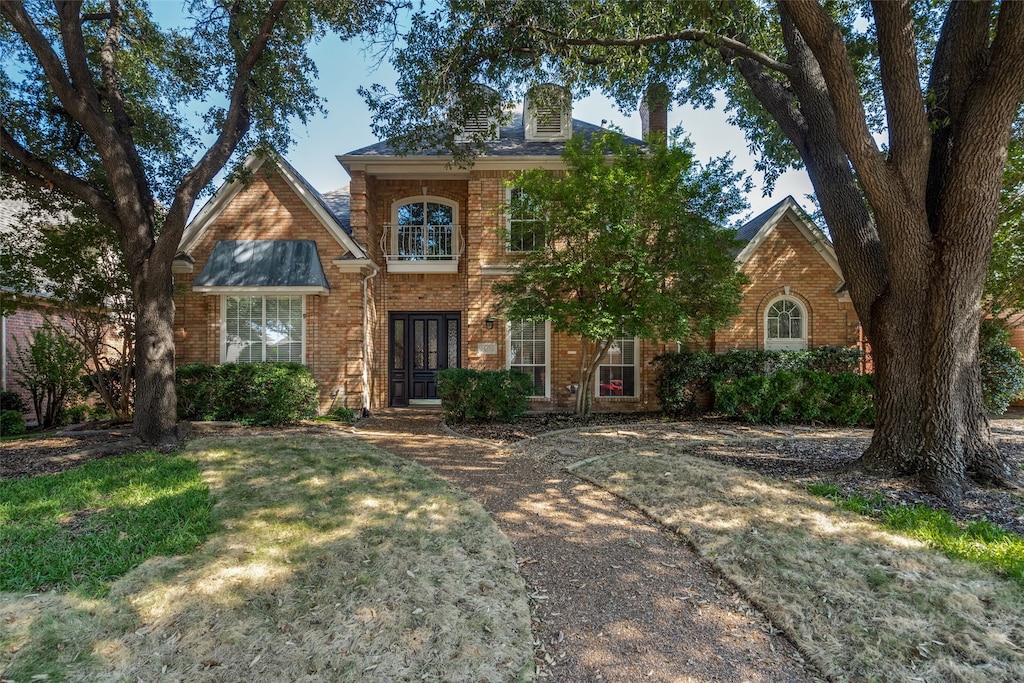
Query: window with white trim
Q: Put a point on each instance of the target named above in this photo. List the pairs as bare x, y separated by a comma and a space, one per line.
785, 325
524, 230
263, 329
528, 344
616, 374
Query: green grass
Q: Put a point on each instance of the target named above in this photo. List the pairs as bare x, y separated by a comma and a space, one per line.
82, 529
981, 542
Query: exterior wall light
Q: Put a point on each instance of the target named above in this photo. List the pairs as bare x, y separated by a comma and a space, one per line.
489, 322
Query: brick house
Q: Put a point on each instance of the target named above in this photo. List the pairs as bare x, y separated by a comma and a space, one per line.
378, 285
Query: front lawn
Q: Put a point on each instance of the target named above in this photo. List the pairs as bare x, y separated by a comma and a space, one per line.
86, 527
332, 560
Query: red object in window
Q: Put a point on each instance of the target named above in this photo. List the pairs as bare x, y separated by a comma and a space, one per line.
612, 387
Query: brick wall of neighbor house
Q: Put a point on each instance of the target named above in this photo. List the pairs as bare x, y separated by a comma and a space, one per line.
784, 259
269, 209
18, 330
1017, 339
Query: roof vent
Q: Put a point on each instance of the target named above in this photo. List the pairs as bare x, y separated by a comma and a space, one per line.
547, 113
481, 123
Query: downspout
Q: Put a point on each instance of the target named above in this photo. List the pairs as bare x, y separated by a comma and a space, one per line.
366, 338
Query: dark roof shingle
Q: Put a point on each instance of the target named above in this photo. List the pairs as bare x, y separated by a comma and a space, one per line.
511, 142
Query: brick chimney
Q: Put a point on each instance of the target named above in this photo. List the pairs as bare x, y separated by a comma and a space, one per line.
654, 110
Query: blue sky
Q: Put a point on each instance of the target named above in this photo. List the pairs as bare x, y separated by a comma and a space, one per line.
344, 66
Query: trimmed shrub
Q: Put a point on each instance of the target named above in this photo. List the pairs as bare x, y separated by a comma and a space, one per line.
74, 414
342, 414
1002, 368
480, 395
805, 396
249, 393
10, 400
682, 377
12, 423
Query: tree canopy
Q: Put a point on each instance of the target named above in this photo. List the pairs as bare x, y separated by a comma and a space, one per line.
627, 242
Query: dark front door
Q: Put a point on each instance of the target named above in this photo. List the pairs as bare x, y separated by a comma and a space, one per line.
420, 345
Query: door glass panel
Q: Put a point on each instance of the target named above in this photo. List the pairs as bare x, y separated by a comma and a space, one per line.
419, 350
453, 343
398, 341
432, 341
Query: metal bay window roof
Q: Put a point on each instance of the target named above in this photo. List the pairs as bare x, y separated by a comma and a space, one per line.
285, 265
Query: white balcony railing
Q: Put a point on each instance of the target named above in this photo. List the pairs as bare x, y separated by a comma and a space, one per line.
421, 248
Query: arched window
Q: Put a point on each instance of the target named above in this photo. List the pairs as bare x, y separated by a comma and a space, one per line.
785, 325
423, 235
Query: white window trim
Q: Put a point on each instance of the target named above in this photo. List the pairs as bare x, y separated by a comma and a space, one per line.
788, 343
263, 293
636, 374
547, 356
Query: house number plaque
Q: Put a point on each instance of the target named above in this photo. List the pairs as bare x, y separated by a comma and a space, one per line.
487, 348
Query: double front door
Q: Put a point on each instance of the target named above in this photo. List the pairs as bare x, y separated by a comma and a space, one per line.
420, 344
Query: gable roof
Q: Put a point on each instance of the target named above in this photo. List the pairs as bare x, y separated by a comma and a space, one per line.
336, 225
511, 142
280, 264
756, 231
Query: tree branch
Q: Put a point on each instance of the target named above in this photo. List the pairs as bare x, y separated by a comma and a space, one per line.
32, 167
909, 132
14, 12
884, 190
690, 35
236, 124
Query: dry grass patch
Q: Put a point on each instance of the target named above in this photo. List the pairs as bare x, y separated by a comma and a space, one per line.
862, 603
335, 561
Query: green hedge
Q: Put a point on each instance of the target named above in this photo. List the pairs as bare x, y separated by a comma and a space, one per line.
682, 377
480, 395
803, 396
12, 423
250, 393
1002, 369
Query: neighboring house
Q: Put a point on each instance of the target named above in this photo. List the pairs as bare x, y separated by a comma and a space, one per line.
30, 310
378, 286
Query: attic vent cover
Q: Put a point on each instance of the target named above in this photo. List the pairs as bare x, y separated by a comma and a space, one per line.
480, 125
547, 113
549, 121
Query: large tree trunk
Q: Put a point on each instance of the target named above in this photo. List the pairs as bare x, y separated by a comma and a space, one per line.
155, 417
915, 264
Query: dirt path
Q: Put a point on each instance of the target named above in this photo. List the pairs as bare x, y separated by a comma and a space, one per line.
615, 597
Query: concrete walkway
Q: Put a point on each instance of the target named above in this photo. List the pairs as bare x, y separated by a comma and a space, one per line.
615, 596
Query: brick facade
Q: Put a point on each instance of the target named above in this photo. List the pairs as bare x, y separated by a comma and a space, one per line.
786, 264
269, 208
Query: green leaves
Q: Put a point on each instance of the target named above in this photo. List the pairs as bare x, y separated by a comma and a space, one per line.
632, 243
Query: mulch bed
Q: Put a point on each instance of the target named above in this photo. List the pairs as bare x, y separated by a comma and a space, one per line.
50, 453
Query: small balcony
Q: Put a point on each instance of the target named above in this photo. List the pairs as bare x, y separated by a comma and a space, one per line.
422, 248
